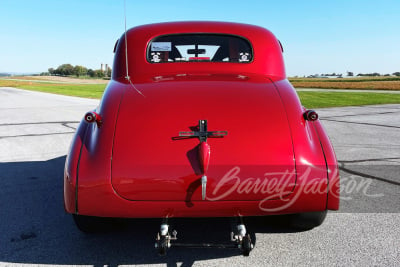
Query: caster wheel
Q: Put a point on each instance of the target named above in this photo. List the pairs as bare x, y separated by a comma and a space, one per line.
162, 245
246, 245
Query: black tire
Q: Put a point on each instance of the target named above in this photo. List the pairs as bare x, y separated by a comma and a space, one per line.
307, 220
162, 246
90, 224
246, 245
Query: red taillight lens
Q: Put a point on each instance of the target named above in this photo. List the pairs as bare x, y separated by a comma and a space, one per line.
91, 117
310, 115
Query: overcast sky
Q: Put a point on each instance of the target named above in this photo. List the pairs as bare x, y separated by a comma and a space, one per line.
318, 36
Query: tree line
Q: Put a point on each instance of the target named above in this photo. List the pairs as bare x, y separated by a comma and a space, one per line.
351, 74
78, 71
397, 73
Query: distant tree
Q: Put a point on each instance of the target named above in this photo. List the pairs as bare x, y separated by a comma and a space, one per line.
65, 70
77, 71
80, 70
397, 73
349, 73
369, 74
331, 74
90, 72
98, 73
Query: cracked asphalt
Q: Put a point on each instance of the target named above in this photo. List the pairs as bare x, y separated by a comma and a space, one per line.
35, 132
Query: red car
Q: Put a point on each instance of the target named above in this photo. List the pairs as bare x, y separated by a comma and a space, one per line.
199, 120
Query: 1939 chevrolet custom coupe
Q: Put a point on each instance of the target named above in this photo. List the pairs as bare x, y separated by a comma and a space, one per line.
199, 120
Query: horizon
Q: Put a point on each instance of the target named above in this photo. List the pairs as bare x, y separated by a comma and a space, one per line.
315, 75
355, 36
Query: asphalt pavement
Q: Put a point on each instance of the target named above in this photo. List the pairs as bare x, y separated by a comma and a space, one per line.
35, 132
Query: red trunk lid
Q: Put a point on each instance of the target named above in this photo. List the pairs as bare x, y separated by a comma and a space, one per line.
253, 161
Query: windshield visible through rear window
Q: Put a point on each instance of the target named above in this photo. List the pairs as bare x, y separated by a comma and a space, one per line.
199, 48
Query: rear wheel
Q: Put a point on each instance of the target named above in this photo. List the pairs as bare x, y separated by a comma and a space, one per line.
307, 220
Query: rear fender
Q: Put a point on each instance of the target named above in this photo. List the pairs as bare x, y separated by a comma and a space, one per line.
333, 169
71, 167
312, 179
94, 169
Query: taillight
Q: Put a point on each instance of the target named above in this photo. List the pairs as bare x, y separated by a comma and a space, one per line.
310, 115
92, 116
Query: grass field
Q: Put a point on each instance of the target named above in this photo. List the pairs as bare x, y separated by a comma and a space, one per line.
342, 99
318, 99
81, 90
370, 83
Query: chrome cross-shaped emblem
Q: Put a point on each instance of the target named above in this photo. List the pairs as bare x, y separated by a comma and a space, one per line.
204, 149
202, 133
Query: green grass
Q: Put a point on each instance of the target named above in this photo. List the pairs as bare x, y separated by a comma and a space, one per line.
309, 99
341, 99
81, 90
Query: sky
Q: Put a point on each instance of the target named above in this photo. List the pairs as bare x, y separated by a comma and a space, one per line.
317, 36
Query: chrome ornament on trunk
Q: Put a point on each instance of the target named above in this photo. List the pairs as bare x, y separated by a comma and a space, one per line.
204, 150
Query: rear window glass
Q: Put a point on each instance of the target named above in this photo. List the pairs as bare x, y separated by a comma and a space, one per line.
199, 48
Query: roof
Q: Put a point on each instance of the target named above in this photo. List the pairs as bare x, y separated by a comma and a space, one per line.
268, 58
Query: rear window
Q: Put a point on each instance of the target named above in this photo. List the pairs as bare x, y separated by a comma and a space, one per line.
199, 48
